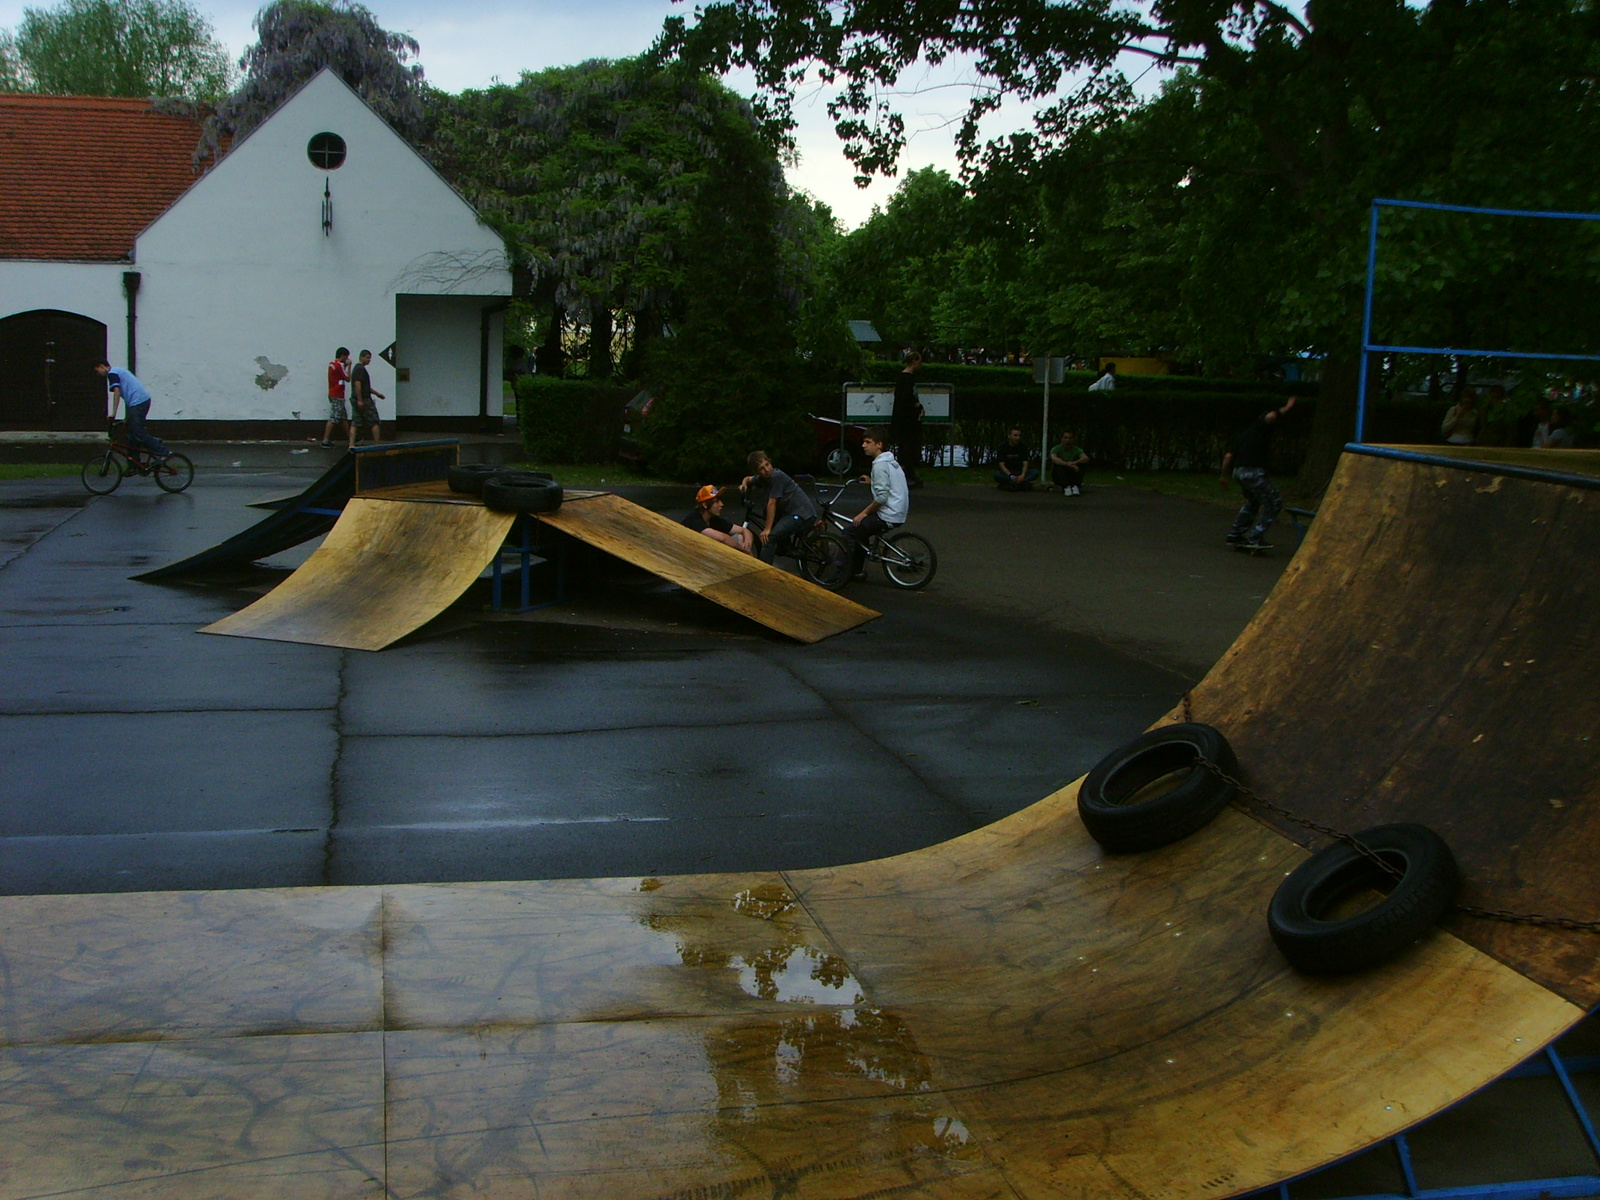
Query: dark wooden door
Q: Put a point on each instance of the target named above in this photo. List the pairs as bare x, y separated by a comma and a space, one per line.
47, 377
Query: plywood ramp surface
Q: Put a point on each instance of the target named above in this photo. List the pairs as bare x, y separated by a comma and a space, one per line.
384, 570
1010, 1015
720, 573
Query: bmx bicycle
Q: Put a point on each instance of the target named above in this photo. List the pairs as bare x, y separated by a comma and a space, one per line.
908, 559
103, 473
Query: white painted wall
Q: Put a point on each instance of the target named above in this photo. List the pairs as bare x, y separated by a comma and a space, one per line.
240, 283
444, 382
91, 289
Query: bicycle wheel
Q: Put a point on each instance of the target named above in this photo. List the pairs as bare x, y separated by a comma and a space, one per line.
175, 474
908, 560
102, 473
824, 560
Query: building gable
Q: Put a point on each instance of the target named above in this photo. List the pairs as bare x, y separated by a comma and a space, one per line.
266, 204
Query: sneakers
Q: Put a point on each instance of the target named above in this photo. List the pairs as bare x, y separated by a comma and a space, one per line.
1075, 491
326, 444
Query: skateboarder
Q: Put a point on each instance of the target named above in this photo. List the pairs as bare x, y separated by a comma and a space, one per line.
1248, 463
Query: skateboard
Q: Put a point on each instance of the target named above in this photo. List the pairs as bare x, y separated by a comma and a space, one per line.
1253, 551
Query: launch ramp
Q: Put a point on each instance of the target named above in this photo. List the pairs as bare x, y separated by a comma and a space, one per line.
400, 556
1012, 1015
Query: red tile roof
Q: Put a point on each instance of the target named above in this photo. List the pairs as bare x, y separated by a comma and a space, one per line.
81, 176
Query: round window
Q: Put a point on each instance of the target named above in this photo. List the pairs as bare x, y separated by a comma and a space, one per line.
326, 150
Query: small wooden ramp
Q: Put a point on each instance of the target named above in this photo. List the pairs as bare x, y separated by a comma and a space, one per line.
400, 556
384, 570
720, 573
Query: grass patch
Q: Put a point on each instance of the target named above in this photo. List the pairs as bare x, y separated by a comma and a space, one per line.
38, 470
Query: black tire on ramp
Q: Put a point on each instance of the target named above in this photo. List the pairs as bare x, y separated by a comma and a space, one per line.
1298, 915
522, 491
1123, 814
469, 478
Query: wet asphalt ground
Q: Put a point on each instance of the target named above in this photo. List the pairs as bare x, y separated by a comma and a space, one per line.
634, 729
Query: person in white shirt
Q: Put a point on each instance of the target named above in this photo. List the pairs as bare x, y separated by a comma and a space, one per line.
891, 500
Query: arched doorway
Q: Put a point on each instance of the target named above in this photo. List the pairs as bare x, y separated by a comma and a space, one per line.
47, 378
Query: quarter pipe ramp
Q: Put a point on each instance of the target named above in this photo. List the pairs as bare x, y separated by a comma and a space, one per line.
1011, 1014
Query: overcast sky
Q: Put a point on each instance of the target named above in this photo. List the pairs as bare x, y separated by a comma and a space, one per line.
468, 43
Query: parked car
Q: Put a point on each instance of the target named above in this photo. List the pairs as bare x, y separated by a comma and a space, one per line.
835, 455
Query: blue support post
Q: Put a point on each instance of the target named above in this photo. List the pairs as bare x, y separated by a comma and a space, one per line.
1366, 326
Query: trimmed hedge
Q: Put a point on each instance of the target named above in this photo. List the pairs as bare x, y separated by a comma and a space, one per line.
570, 420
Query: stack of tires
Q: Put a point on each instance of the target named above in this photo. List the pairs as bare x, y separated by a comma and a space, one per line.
507, 491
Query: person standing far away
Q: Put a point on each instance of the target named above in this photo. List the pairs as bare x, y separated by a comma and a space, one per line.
905, 419
1460, 425
363, 412
126, 389
1248, 462
338, 376
891, 500
1107, 381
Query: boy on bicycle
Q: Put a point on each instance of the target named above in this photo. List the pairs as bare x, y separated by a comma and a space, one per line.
126, 389
891, 500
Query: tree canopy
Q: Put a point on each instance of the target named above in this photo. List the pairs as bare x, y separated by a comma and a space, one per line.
635, 193
143, 48
1227, 216
298, 38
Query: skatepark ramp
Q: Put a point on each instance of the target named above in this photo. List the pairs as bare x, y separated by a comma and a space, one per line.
1013, 1014
313, 512
400, 556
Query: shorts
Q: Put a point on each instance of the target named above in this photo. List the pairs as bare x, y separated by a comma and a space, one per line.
366, 412
336, 409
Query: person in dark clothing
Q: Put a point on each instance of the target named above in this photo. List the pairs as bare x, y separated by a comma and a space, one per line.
788, 511
364, 410
905, 420
1015, 470
1247, 462
706, 517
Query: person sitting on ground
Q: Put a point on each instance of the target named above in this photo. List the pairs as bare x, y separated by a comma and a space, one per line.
789, 511
126, 389
1248, 462
1015, 471
707, 518
1067, 464
1535, 427
363, 407
1460, 426
1557, 435
891, 500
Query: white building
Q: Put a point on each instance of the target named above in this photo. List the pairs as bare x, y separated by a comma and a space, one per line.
228, 292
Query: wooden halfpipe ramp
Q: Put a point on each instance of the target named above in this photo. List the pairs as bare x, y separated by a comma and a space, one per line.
1013, 1014
400, 556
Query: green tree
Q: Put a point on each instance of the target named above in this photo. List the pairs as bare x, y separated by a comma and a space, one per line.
298, 38
1239, 201
144, 48
645, 197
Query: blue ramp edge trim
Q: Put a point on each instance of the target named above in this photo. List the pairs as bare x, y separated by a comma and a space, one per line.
1478, 466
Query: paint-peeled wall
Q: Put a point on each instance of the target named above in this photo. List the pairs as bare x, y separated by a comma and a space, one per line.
245, 296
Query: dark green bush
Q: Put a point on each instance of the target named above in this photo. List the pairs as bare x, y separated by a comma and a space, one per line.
570, 420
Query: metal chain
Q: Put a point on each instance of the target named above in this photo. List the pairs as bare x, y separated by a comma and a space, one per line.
1355, 843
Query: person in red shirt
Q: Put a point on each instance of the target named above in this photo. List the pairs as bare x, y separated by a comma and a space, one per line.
338, 376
